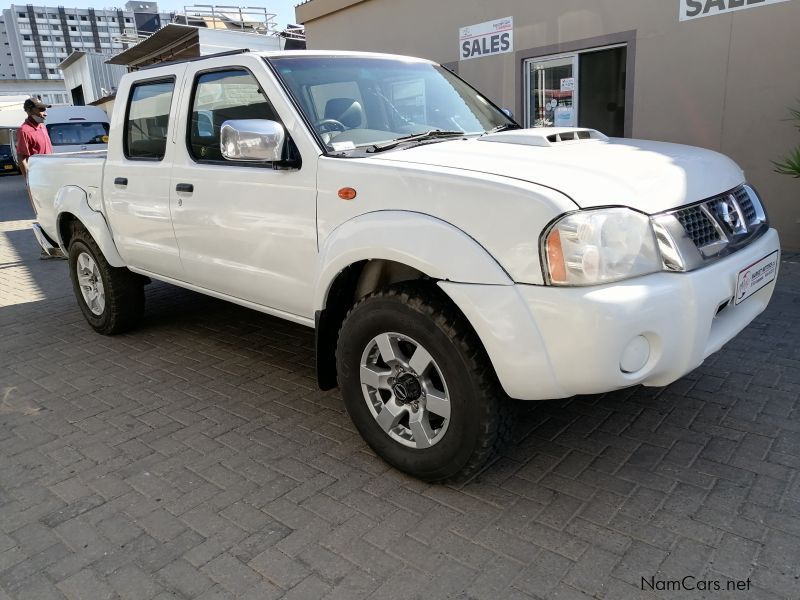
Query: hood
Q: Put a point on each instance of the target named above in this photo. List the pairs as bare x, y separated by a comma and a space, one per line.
590, 168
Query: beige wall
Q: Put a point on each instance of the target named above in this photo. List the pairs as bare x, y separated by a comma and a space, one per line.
723, 82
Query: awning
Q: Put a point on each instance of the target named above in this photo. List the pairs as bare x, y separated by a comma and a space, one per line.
172, 42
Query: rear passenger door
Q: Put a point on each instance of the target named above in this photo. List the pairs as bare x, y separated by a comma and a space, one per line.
136, 178
244, 229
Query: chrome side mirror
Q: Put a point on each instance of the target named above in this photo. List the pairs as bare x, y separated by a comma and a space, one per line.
257, 140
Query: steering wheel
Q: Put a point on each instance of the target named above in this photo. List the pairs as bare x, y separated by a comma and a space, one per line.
327, 125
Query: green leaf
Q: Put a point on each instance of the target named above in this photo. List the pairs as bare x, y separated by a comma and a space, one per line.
790, 165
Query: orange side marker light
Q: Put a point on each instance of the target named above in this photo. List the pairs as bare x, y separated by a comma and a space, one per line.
347, 193
555, 258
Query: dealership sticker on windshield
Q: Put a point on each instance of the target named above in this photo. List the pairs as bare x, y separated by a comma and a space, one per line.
756, 276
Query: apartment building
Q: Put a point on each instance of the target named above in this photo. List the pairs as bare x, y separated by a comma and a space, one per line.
38, 38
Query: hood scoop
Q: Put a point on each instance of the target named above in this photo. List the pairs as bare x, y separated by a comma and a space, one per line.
546, 136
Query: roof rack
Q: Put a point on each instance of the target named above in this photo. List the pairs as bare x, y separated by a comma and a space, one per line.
194, 58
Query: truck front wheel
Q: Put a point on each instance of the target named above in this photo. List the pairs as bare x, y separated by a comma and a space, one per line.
111, 298
418, 385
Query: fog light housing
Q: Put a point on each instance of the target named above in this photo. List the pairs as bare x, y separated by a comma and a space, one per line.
635, 355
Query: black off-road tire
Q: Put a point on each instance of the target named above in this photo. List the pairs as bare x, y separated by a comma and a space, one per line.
481, 413
124, 290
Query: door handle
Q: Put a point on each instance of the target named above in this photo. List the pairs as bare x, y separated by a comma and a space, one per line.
120, 181
184, 187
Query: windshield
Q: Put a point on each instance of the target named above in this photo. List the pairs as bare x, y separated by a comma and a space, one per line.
79, 133
356, 101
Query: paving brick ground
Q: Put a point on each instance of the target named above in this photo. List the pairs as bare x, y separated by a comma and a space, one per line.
194, 458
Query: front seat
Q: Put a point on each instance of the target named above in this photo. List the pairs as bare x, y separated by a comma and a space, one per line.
345, 110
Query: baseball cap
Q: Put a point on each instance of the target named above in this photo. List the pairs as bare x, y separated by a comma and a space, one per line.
34, 103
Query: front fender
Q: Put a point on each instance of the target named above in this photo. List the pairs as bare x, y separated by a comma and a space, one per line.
74, 201
425, 243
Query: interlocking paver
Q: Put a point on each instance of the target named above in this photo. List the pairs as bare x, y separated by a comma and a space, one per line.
194, 458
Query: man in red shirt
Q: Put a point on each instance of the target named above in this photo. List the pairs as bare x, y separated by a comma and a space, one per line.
32, 137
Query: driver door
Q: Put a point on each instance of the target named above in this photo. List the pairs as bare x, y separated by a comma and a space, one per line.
244, 229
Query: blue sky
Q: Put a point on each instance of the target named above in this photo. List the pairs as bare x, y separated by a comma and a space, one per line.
284, 9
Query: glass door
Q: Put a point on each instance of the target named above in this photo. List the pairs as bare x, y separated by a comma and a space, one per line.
586, 88
553, 93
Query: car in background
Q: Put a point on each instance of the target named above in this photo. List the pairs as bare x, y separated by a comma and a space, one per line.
7, 164
77, 128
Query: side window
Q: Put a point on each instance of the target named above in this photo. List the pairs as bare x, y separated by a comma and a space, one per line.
147, 120
220, 96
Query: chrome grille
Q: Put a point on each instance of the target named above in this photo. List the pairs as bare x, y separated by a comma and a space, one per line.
691, 236
699, 227
745, 204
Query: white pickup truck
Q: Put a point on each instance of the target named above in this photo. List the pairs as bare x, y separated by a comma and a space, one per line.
447, 259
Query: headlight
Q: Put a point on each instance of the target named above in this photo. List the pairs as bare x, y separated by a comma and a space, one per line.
599, 246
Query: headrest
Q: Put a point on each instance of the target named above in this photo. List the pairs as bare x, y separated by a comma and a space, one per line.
345, 110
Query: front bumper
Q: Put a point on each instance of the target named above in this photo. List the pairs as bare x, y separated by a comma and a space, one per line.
47, 246
550, 342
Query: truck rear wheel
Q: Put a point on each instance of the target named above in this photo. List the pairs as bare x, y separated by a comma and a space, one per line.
418, 385
111, 298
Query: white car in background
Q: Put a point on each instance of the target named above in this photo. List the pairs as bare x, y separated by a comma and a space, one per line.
77, 128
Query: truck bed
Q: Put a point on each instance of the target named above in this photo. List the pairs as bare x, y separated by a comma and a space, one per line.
49, 173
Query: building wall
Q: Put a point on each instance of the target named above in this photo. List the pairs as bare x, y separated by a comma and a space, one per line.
723, 82
6, 58
51, 92
96, 78
222, 40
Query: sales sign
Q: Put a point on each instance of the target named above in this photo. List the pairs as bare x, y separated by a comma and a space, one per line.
484, 39
694, 9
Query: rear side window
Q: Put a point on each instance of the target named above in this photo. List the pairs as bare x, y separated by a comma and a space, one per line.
147, 120
221, 96
80, 133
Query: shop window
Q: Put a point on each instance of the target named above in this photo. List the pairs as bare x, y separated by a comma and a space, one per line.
579, 89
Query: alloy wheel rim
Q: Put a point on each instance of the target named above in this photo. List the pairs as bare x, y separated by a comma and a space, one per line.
405, 390
91, 283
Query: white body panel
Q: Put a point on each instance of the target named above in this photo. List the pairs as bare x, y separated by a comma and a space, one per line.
503, 215
648, 176
467, 213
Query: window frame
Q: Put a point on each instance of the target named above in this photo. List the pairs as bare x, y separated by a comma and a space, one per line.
190, 111
627, 38
163, 79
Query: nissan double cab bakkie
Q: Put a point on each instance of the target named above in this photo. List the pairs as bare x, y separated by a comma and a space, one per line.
448, 259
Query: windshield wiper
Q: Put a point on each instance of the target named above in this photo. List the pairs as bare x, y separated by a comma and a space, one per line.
431, 134
503, 127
